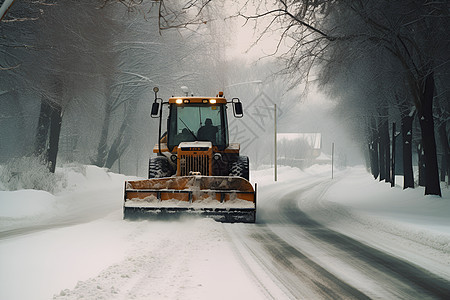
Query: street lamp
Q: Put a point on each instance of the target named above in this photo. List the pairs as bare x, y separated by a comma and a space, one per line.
275, 140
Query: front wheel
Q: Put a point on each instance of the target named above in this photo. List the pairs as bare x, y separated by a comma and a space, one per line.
159, 167
240, 168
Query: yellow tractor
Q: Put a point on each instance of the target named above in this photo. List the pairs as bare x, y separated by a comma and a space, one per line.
196, 170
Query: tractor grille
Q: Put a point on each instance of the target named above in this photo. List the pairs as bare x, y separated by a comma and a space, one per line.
191, 163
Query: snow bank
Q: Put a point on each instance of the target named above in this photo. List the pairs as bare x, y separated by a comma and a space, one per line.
265, 174
59, 257
409, 207
30, 173
37, 266
81, 177
28, 208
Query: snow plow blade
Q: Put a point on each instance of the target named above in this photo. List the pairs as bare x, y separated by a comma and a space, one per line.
223, 198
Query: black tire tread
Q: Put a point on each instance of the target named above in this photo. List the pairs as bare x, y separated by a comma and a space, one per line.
240, 167
159, 167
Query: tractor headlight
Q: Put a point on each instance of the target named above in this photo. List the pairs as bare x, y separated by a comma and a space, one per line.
217, 156
173, 158
178, 101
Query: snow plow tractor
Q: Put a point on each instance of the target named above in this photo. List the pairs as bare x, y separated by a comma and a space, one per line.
196, 171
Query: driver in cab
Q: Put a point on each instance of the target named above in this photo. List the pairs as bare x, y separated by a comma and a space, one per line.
208, 132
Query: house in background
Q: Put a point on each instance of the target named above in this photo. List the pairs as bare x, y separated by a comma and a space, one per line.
300, 149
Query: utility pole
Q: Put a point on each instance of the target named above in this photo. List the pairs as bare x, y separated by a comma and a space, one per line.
332, 160
394, 136
275, 140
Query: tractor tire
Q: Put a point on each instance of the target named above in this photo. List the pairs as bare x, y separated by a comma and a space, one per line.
159, 167
240, 168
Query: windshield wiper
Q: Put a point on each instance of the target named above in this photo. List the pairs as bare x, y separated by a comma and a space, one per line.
187, 127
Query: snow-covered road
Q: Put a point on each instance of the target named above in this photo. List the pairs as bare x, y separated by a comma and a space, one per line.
309, 242
311, 261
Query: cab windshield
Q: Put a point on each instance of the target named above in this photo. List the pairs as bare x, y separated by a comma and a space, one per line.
197, 123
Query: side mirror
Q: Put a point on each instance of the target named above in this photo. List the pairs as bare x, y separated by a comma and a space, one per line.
237, 108
155, 110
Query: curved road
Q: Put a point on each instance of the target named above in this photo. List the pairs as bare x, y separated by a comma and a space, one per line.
305, 260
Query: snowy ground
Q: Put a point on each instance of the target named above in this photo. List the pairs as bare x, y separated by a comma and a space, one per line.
401, 222
75, 244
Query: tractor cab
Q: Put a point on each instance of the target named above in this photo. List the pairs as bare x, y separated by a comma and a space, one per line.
197, 136
197, 119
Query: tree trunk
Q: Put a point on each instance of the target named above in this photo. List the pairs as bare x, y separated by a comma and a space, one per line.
432, 185
394, 136
48, 130
102, 151
421, 165
381, 159
115, 151
55, 130
387, 153
373, 158
384, 149
373, 149
445, 151
41, 141
122, 140
408, 174
443, 133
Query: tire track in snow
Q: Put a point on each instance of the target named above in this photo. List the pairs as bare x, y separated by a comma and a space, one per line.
285, 244
290, 270
250, 259
300, 274
398, 277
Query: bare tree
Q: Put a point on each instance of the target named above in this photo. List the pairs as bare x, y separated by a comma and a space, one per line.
412, 45
316, 27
